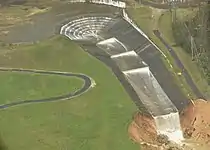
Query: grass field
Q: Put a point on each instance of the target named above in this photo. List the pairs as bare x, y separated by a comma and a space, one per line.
147, 19
33, 86
17, 15
166, 29
95, 120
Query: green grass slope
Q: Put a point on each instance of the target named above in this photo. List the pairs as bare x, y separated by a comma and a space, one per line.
165, 27
95, 120
24, 86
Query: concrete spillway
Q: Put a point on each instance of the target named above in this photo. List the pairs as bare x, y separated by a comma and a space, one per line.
112, 46
151, 94
128, 60
149, 91
169, 125
136, 71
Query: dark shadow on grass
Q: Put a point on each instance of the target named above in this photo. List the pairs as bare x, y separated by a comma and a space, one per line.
3, 145
175, 45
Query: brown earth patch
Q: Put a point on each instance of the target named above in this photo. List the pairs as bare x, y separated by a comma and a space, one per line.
195, 123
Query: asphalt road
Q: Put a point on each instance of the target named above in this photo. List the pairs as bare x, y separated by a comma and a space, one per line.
83, 89
181, 66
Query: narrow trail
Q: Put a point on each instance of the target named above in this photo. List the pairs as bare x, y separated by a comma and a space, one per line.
178, 62
88, 83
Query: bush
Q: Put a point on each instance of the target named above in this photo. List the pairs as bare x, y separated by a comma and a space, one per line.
181, 36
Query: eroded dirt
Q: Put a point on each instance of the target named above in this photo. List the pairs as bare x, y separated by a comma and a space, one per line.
195, 122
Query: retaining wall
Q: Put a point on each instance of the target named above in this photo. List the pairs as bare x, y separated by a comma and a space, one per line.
105, 2
126, 17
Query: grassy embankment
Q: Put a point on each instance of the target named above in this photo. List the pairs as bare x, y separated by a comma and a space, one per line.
20, 86
191, 66
96, 120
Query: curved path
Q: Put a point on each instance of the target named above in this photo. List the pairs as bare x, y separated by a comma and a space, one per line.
179, 63
88, 83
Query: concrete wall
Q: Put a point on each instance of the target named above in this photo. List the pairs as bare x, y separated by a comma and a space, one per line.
126, 17
105, 2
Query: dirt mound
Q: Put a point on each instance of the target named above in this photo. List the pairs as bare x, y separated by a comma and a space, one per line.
195, 122
142, 130
141, 123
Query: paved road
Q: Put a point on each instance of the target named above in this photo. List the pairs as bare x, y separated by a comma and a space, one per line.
181, 66
87, 84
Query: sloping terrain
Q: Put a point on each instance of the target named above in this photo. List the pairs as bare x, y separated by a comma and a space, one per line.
195, 122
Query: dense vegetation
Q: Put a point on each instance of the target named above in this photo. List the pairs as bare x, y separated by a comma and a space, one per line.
198, 46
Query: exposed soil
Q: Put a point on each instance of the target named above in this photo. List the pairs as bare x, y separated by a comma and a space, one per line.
195, 122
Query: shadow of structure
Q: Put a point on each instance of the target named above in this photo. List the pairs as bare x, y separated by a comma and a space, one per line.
2, 145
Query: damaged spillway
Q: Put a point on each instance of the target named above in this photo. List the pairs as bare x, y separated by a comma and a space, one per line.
135, 70
151, 94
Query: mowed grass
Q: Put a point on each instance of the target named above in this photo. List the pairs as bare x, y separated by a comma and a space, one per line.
165, 27
95, 120
25, 86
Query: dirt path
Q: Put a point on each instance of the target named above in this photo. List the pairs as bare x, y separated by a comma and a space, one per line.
181, 66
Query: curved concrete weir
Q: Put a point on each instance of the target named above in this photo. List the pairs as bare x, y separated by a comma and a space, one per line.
86, 28
135, 70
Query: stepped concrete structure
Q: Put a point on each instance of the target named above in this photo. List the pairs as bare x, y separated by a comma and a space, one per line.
125, 45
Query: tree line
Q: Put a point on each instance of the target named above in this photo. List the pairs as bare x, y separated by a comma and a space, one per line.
194, 36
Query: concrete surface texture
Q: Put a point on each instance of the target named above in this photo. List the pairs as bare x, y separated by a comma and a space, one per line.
124, 37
